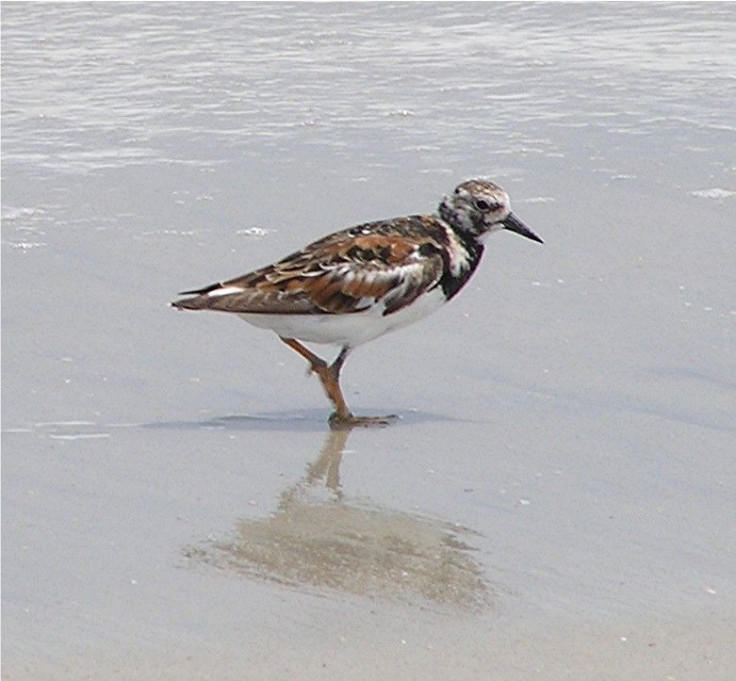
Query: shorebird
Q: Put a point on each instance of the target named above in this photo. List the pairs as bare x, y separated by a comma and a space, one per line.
362, 282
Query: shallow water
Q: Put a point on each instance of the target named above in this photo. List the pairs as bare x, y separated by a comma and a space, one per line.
554, 502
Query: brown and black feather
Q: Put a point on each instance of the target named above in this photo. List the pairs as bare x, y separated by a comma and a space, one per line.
393, 261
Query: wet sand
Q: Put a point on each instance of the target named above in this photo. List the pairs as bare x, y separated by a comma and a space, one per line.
556, 499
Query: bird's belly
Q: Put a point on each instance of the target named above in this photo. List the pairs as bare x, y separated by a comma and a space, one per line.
350, 329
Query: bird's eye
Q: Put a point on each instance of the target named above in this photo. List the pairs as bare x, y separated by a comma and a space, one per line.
482, 204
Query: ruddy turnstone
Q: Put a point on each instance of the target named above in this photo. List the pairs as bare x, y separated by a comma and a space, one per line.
357, 284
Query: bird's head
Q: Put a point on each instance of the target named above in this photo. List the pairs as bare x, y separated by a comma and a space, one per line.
479, 207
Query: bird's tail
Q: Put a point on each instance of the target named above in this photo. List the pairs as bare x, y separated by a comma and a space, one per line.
197, 300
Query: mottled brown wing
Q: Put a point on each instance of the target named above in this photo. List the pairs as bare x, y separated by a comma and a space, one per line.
345, 272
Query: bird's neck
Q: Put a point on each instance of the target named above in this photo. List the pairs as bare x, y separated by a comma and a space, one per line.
469, 255
458, 221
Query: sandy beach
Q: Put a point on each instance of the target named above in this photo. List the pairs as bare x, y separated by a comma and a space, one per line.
556, 499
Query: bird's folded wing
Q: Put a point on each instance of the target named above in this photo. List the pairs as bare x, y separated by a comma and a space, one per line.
331, 276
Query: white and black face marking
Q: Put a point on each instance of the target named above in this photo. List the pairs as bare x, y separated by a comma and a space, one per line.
479, 207
476, 207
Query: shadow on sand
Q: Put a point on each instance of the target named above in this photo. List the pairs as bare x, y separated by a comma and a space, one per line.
313, 421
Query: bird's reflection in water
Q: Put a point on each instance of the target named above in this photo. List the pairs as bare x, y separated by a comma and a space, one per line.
316, 538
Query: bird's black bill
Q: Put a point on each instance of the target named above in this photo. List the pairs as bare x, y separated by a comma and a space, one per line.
513, 224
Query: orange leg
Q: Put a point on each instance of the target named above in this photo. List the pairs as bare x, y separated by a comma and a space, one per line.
329, 375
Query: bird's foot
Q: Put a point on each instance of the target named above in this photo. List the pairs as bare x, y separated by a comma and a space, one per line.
339, 421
